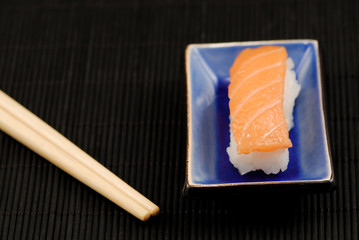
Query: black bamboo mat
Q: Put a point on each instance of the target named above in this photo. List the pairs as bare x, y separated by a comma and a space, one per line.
110, 76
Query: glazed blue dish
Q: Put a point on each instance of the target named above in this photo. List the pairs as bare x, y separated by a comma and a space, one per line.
209, 171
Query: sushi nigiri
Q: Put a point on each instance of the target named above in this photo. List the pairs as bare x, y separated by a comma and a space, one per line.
262, 92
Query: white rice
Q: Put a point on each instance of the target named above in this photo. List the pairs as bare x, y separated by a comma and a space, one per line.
269, 162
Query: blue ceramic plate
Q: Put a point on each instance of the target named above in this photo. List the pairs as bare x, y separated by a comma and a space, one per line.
209, 171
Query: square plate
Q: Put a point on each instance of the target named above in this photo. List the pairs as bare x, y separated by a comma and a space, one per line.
208, 169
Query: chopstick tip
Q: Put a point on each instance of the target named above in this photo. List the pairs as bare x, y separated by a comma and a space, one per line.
155, 211
146, 216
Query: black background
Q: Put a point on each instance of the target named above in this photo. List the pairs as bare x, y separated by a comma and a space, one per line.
110, 76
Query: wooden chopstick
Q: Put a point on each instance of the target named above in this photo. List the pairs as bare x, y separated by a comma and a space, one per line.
34, 133
64, 144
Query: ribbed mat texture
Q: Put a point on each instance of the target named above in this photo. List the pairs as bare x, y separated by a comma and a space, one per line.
110, 76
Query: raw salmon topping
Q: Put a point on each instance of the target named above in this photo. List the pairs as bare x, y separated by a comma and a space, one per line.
256, 99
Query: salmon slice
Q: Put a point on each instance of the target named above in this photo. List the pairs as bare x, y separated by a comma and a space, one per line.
256, 92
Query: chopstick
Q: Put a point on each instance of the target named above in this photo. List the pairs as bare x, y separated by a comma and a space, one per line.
27, 128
